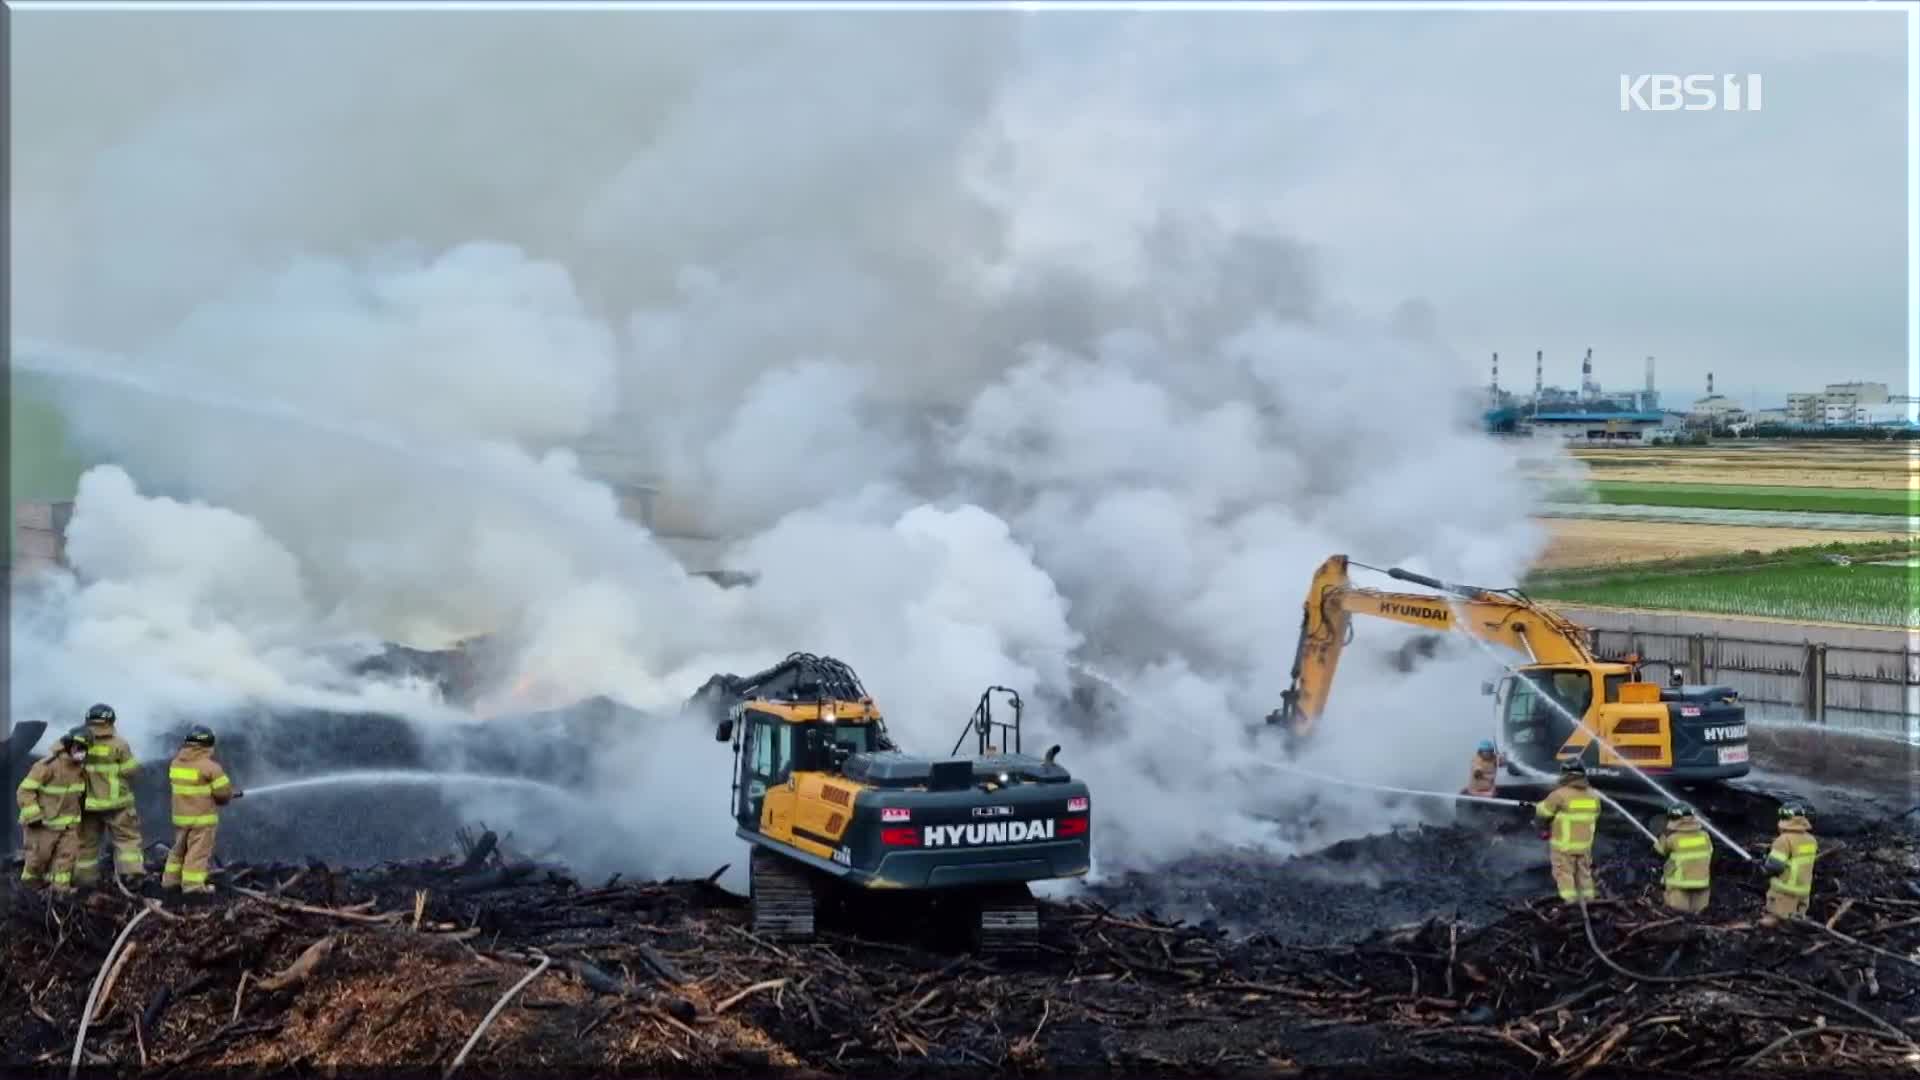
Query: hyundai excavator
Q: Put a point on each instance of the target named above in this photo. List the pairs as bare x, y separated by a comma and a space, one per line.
837, 815
1686, 734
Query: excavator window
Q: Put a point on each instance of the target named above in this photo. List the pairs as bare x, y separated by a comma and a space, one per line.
857, 738
1573, 689
767, 759
1521, 702
1614, 683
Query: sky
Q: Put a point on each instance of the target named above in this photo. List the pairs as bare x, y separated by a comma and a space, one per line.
1472, 169
1480, 162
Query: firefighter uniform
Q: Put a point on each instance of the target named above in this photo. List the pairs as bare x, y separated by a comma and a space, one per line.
109, 813
200, 788
1571, 811
1790, 861
1483, 772
1689, 873
50, 799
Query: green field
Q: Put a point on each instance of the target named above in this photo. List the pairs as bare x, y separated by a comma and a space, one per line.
1789, 585
1756, 497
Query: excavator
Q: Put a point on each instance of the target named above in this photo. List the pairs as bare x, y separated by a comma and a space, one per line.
1688, 735
839, 817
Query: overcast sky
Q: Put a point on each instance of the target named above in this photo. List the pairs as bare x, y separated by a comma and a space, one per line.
1479, 162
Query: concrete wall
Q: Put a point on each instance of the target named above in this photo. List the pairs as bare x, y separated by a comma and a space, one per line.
1821, 670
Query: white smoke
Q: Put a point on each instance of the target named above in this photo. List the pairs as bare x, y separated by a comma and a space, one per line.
781, 261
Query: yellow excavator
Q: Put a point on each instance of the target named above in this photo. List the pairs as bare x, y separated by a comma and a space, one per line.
1683, 733
840, 817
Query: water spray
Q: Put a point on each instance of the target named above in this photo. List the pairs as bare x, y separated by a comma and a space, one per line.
1458, 628
1266, 763
412, 776
87, 366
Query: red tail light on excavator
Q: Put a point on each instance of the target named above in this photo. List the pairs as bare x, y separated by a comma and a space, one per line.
900, 837
1072, 826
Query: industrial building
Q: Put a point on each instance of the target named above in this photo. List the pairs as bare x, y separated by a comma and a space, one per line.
1587, 416
1847, 404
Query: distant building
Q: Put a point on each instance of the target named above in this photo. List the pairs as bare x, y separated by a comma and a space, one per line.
1717, 410
1839, 405
1860, 393
1598, 428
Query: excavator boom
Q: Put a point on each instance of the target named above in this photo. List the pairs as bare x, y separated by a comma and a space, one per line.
1563, 703
1502, 617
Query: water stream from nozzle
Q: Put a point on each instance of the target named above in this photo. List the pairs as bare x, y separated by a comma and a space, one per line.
367, 777
454, 461
1459, 623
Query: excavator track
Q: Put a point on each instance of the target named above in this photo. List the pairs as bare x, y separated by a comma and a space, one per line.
1008, 922
782, 897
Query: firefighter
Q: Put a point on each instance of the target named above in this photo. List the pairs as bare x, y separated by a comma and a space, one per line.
1571, 812
1689, 852
50, 799
1483, 770
200, 788
1790, 864
109, 813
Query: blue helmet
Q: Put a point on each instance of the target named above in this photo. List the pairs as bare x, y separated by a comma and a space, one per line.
1486, 746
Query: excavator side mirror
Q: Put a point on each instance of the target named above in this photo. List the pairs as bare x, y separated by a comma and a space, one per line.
723, 731
1486, 689
1051, 752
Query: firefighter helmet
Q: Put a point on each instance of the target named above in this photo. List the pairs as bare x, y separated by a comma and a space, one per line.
101, 713
77, 737
1679, 810
1486, 746
1572, 767
201, 735
1792, 810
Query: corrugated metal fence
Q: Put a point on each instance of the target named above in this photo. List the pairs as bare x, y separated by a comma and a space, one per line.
1814, 669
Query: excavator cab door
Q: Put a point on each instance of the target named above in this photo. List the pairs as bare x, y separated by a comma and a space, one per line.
1538, 707
766, 752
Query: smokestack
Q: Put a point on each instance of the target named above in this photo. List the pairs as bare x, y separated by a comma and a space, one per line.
1539, 380
1709, 384
1496, 374
1588, 391
1649, 374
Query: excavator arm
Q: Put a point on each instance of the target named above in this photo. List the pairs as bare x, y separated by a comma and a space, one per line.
1502, 617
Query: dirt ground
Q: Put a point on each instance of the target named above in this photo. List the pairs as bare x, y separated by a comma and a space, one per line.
1892, 466
1580, 542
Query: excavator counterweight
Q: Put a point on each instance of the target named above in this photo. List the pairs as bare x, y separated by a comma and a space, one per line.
839, 817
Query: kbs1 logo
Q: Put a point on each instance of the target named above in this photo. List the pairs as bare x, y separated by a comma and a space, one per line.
1691, 93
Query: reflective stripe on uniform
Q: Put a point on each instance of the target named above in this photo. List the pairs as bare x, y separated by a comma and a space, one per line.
63, 822
219, 782
188, 782
1798, 880
1690, 862
1579, 811
195, 821
117, 794
29, 784
28, 813
128, 857
173, 866
28, 875
193, 877
63, 877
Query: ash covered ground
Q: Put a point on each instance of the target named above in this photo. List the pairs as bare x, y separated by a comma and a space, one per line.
1428, 950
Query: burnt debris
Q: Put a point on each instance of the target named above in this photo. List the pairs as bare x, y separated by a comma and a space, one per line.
301, 968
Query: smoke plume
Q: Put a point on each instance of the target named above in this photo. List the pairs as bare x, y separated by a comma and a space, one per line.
337, 300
